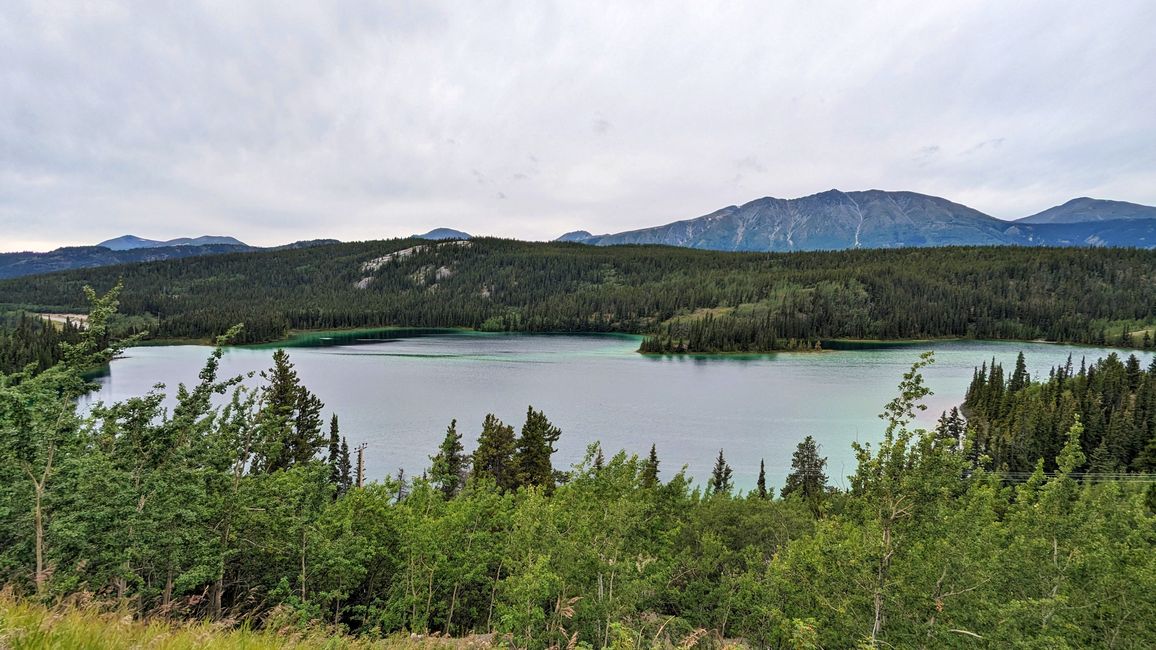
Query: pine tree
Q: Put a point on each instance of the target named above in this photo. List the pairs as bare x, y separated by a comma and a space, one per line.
952, 427
494, 456
289, 424
1019, 379
402, 485
762, 483
649, 476
720, 478
807, 477
334, 456
534, 448
345, 480
449, 465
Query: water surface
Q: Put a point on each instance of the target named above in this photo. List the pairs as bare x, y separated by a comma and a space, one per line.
397, 391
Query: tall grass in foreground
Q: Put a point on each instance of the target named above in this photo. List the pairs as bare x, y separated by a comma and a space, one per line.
25, 625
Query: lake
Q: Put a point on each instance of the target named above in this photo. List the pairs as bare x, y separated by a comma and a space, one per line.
397, 391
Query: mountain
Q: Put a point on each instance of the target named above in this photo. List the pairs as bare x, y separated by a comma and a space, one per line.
577, 235
444, 233
1084, 210
1135, 233
835, 220
130, 242
13, 265
827, 221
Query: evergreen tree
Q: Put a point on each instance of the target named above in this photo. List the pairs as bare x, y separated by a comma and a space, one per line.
720, 477
494, 456
807, 477
333, 458
402, 485
762, 483
534, 448
649, 476
289, 424
1019, 378
952, 427
449, 464
345, 480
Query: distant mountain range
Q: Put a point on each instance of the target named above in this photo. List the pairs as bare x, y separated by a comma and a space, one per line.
127, 251
444, 233
836, 220
130, 242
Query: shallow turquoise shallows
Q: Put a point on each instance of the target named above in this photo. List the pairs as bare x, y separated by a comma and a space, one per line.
397, 390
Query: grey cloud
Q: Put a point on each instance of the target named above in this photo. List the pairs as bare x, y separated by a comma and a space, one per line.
279, 121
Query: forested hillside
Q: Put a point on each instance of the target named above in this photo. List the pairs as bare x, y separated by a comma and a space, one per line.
27, 339
247, 510
690, 300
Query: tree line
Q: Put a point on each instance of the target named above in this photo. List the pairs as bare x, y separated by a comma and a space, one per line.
29, 339
1017, 421
685, 300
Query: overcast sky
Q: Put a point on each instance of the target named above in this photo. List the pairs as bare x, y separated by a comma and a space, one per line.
282, 121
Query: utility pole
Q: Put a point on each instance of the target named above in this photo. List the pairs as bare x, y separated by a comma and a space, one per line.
361, 465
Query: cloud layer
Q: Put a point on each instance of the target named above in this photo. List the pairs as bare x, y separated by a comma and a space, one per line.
280, 121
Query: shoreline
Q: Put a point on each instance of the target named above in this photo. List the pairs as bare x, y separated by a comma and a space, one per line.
302, 338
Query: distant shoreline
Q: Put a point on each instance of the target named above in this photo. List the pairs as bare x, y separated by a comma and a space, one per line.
300, 338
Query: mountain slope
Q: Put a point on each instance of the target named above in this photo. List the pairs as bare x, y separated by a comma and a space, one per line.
1131, 233
14, 265
1084, 210
827, 221
836, 220
130, 242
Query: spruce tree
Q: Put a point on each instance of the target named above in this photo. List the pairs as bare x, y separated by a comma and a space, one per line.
534, 448
289, 423
649, 477
1019, 379
720, 479
345, 480
807, 477
449, 465
334, 456
494, 456
762, 483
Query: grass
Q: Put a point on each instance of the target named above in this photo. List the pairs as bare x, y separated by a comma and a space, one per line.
25, 625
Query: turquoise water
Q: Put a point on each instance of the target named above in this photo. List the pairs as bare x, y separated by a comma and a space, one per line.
397, 391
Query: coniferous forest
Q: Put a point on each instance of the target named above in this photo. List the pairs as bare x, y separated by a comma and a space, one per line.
1019, 521
684, 300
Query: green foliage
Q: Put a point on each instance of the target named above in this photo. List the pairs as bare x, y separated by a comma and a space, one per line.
807, 478
687, 300
449, 467
1012, 424
494, 457
288, 431
720, 477
180, 513
534, 448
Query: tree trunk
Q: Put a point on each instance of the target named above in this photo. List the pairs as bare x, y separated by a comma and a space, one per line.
38, 486
39, 516
302, 564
